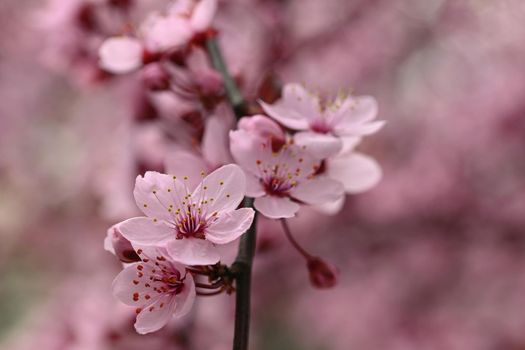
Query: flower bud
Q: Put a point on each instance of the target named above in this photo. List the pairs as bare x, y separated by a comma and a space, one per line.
322, 274
116, 243
155, 77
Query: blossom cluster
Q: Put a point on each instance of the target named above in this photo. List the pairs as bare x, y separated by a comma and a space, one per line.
297, 150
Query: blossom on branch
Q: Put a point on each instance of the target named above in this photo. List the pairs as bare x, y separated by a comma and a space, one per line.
157, 286
322, 124
189, 222
280, 179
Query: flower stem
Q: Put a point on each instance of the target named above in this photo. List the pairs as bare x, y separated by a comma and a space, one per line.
292, 240
242, 267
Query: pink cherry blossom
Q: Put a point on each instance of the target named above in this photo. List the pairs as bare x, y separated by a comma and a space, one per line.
157, 286
322, 123
280, 179
159, 33
189, 223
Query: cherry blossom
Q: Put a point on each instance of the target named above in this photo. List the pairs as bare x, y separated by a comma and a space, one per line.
160, 33
157, 286
116, 244
281, 179
189, 223
322, 123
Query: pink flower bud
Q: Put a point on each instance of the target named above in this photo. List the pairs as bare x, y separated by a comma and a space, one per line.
322, 274
115, 243
156, 77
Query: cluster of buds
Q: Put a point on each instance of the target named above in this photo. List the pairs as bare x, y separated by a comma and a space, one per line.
297, 151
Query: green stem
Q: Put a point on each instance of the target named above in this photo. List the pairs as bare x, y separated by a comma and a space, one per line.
242, 267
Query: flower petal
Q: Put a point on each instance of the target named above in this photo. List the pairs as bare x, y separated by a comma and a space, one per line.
318, 190
254, 188
245, 150
153, 317
356, 171
143, 230
223, 189
193, 251
331, 208
163, 33
215, 141
187, 164
203, 14
155, 192
276, 207
318, 145
296, 107
230, 226
186, 298
120, 54
133, 284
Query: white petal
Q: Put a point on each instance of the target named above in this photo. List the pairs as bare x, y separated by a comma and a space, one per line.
276, 207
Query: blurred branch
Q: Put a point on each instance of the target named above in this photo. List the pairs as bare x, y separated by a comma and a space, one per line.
242, 267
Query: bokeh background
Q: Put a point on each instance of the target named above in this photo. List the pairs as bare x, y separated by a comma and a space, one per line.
431, 258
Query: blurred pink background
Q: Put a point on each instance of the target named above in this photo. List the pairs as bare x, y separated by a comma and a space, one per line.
431, 258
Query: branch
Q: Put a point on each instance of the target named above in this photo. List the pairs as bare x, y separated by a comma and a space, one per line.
242, 267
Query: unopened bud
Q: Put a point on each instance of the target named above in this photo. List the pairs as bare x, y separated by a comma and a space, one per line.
116, 243
156, 77
322, 274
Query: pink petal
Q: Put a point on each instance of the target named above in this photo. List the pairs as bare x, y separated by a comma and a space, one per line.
318, 190
145, 231
262, 127
287, 116
186, 298
193, 251
223, 189
120, 54
276, 207
164, 33
361, 129
356, 171
254, 187
332, 208
155, 192
153, 317
318, 145
187, 164
349, 143
130, 282
245, 150
230, 226
203, 14
215, 141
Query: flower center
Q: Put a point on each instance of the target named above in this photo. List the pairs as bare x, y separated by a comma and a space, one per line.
321, 126
190, 223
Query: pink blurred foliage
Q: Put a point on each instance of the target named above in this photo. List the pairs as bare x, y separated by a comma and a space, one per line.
431, 258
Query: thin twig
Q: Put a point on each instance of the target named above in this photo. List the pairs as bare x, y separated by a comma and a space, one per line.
292, 240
